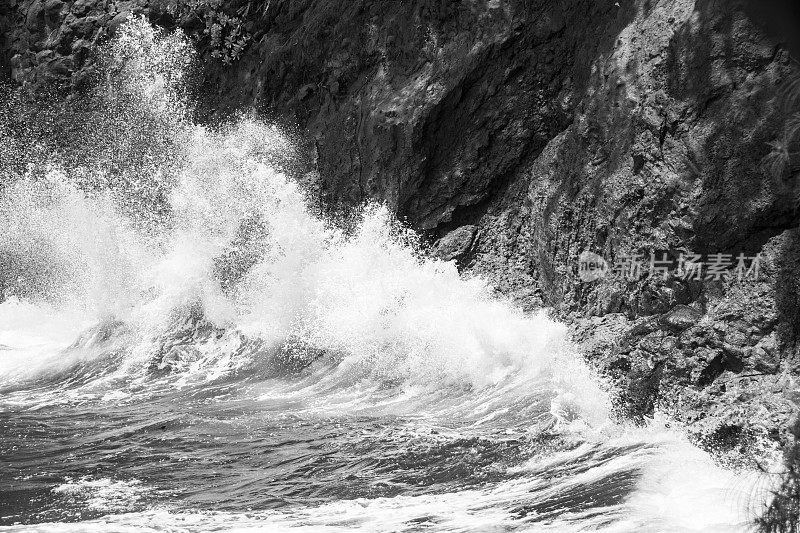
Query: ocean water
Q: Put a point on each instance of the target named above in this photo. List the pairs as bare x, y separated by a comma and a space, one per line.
186, 346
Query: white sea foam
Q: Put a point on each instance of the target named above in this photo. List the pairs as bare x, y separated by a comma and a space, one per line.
105, 495
680, 490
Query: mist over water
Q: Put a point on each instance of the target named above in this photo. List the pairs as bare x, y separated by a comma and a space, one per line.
185, 346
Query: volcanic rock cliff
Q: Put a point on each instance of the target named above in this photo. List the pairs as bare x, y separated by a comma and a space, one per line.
516, 135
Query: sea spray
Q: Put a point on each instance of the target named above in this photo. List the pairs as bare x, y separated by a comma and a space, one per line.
366, 296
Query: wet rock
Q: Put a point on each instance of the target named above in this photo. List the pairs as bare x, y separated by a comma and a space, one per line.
735, 338
118, 20
61, 66
84, 26
455, 244
34, 15
82, 7
765, 355
45, 56
680, 318
652, 342
53, 8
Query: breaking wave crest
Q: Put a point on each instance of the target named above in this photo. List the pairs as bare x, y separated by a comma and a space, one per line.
235, 274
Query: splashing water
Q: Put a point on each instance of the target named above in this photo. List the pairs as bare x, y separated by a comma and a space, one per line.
185, 346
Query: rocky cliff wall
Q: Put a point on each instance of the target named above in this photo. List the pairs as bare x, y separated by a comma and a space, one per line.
517, 135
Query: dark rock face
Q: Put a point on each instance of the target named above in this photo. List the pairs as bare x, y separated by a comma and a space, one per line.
48, 44
517, 135
455, 244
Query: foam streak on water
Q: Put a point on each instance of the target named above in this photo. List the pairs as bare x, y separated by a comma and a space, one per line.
186, 347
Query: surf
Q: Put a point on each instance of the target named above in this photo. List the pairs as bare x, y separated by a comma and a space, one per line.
177, 316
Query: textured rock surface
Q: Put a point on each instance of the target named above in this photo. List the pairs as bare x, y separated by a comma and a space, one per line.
516, 135
48, 43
